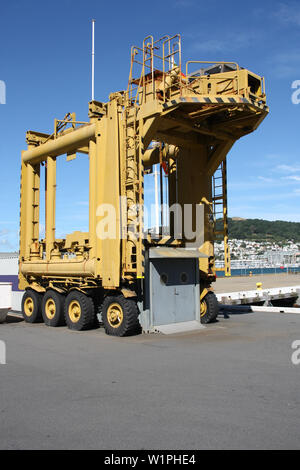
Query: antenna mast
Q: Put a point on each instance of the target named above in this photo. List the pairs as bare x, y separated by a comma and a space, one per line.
93, 59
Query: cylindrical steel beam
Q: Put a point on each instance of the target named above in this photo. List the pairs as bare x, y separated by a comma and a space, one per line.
59, 268
151, 157
65, 144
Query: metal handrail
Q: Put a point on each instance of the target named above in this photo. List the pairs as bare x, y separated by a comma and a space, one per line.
170, 56
214, 63
145, 49
148, 62
210, 62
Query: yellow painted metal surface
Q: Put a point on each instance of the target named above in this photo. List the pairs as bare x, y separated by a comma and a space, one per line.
50, 309
74, 311
115, 315
194, 117
28, 306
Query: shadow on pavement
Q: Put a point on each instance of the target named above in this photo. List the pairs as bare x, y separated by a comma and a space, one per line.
227, 310
13, 317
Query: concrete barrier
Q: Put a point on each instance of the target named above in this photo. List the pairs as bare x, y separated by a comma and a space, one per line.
5, 300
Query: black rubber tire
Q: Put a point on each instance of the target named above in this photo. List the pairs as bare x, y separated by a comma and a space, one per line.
130, 324
212, 310
59, 301
36, 315
86, 319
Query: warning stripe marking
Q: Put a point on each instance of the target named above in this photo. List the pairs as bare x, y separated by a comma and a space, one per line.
215, 100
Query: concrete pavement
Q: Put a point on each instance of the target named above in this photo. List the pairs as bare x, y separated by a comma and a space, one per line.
229, 386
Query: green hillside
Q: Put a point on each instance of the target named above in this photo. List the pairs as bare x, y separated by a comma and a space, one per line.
259, 230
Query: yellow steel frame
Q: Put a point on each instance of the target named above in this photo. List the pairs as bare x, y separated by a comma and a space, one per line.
197, 115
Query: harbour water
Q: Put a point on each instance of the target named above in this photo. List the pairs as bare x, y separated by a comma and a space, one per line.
256, 271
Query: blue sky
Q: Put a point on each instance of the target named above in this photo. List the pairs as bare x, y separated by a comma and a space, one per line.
45, 56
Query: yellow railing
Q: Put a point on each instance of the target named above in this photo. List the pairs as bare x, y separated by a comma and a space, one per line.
150, 61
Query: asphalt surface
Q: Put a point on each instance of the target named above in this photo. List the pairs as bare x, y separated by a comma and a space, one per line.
229, 386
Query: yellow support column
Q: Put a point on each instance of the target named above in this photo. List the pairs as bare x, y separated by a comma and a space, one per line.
31, 205
194, 188
50, 205
108, 198
92, 198
23, 223
225, 220
29, 210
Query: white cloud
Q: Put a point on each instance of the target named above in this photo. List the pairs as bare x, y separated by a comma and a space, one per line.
288, 13
288, 168
273, 156
279, 196
184, 3
212, 45
286, 64
82, 203
227, 42
292, 177
42, 231
5, 244
266, 180
258, 183
9, 239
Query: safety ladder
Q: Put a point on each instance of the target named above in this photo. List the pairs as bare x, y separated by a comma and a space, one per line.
134, 191
219, 199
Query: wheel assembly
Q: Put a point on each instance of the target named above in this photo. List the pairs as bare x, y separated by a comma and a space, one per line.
120, 316
53, 308
31, 306
79, 311
209, 308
